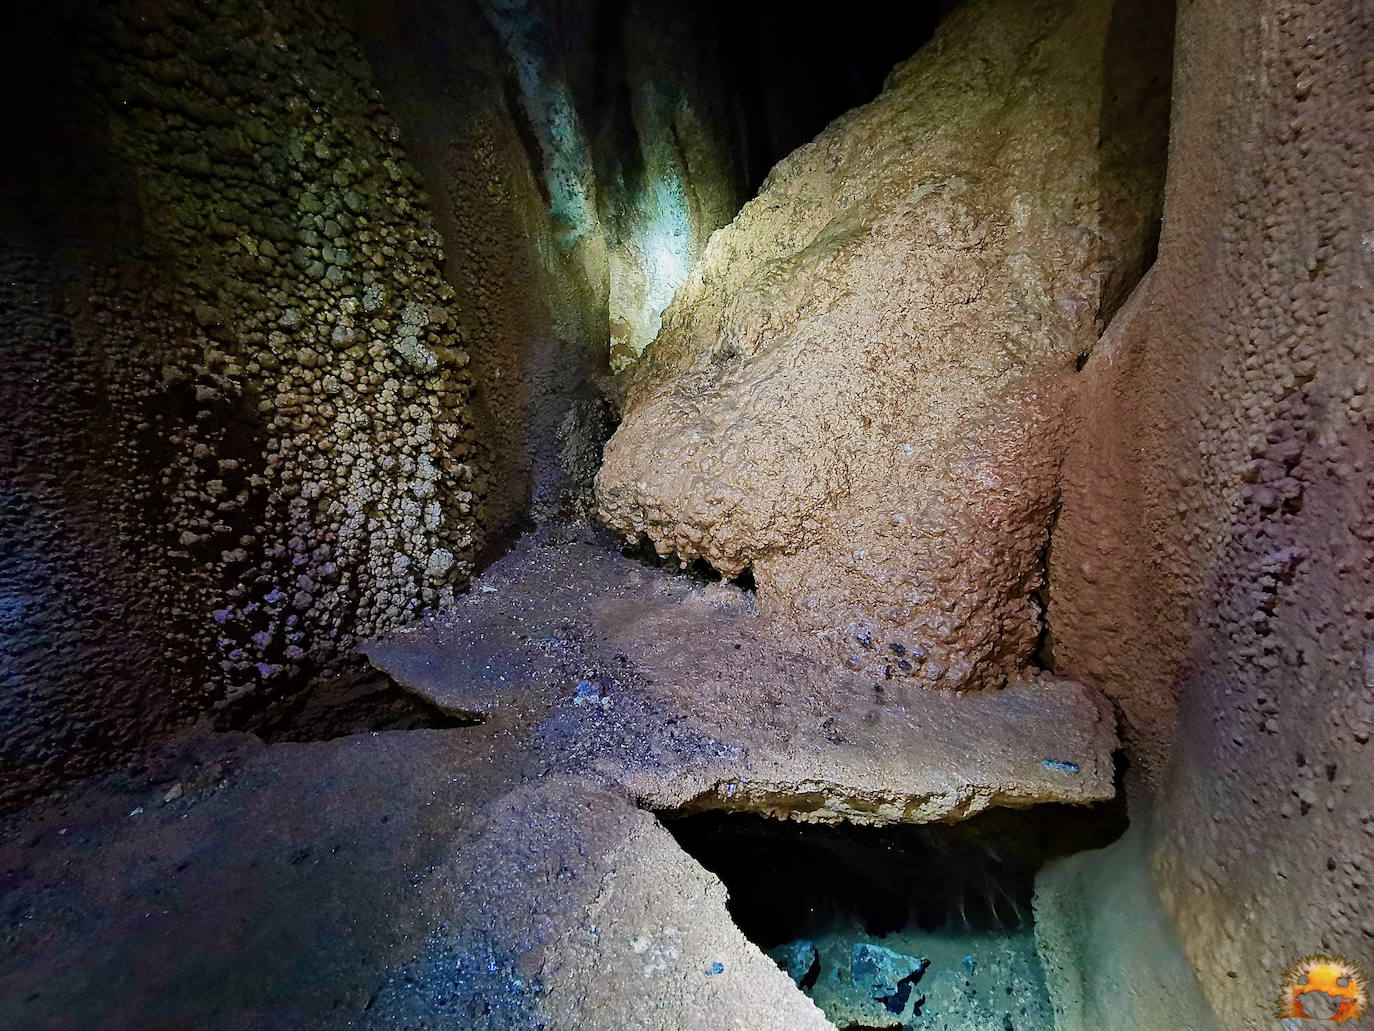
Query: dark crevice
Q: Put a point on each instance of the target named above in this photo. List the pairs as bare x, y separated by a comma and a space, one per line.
348, 696
796, 67
699, 570
1133, 120
793, 880
1042, 656
529, 139
957, 896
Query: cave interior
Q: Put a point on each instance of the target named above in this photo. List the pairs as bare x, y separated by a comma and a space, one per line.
733, 514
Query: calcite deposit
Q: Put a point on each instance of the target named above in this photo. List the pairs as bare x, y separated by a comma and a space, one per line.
687, 699
263, 394
260, 391
859, 392
245, 420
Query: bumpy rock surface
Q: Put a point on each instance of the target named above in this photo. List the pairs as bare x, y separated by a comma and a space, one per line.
1214, 562
234, 425
1111, 955
540, 187
859, 390
244, 416
580, 156
504, 875
883, 973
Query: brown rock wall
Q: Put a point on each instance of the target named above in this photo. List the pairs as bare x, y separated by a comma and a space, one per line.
1212, 568
235, 408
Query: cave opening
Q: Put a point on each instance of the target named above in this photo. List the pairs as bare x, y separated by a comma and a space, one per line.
928, 926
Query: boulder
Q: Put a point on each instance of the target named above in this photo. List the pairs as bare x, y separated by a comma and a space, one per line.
858, 392
885, 974
800, 961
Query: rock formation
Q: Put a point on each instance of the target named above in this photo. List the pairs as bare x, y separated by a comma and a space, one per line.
860, 391
264, 392
578, 173
1212, 568
234, 390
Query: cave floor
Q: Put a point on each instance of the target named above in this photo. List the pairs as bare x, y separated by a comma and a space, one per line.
510, 873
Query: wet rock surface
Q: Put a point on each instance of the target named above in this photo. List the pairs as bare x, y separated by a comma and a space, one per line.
885, 974
800, 961
1006, 991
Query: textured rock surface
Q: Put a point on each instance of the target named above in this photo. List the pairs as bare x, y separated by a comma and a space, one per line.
234, 423
693, 705
798, 958
252, 406
1212, 569
537, 305
502, 875
1112, 958
859, 390
882, 972
405, 880
580, 155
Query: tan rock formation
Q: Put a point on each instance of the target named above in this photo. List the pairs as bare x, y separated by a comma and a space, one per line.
694, 679
858, 393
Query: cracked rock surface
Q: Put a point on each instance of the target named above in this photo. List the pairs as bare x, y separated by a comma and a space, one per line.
409, 879
697, 705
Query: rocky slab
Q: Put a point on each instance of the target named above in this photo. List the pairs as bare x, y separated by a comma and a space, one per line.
407, 879
678, 691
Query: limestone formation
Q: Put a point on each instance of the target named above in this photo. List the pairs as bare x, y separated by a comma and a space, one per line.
860, 390
246, 422
381, 880
679, 693
580, 157
1214, 561
261, 391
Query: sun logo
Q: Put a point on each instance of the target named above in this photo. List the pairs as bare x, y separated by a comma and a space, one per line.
1323, 988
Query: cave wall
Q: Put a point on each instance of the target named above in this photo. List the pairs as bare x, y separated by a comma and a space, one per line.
1212, 566
539, 308
580, 154
234, 410
309, 306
